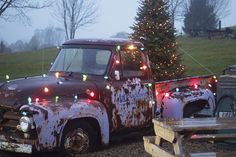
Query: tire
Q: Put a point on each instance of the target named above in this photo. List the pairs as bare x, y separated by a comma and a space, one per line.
225, 107
78, 138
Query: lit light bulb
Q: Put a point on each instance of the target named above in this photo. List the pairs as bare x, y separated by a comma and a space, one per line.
29, 100
118, 47
57, 74
167, 94
117, 62
195, 86
92, 94
76, 97
46, 90
24, 113
143, 67
131, 47
57, 98
85, 77
149, 85
177, 89
37, 100
108, 87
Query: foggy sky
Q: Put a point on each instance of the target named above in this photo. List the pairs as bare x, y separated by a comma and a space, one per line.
114, 16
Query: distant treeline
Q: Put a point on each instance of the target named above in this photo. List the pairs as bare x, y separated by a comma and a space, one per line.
42, 38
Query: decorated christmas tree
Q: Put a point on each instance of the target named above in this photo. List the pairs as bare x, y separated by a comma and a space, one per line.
153, 27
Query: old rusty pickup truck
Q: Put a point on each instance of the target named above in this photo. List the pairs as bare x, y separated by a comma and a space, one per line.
94, 90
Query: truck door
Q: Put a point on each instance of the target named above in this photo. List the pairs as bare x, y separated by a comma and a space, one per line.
131, 92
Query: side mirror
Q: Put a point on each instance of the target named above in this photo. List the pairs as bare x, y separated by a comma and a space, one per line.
117, 75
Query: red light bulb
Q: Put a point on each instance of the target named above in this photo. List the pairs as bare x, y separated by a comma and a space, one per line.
167, 94
117, 62
92, 94
36, 100
143, 67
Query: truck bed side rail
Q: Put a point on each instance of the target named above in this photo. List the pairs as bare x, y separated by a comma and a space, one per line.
205, 81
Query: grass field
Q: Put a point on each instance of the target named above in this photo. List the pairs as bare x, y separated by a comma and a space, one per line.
26, 63
214, 55
211, 55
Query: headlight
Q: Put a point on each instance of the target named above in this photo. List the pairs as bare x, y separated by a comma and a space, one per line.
25, 124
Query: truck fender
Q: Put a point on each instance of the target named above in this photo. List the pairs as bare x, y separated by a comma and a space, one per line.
97, 111
51, 118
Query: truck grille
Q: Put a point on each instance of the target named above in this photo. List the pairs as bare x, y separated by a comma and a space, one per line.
8, 125
9, 120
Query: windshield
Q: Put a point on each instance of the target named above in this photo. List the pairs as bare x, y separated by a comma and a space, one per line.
82, 60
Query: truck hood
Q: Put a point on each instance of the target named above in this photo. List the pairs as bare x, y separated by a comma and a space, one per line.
15, 93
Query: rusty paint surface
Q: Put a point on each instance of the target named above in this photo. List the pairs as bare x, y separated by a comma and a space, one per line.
52, 118
132, 105
174, 104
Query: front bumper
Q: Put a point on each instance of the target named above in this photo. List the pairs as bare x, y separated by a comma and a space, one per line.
12, 142
16, 147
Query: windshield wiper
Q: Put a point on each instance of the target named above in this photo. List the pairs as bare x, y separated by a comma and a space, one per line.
71, 62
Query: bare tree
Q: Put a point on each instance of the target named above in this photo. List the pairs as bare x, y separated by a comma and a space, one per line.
175, 7
75, 14
220, 7
12, 9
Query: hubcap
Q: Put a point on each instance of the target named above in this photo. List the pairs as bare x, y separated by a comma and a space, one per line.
76, 142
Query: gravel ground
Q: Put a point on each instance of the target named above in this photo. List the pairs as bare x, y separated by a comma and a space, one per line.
133, 147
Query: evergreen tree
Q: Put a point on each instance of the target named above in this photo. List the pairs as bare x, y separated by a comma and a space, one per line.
199, 16
154, 29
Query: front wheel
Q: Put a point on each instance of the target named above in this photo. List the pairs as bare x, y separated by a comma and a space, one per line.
79, 138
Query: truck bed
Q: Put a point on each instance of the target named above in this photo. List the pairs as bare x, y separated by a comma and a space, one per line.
184, 85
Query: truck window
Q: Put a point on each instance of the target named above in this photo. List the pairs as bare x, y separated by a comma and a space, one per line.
133, 63
82, 60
